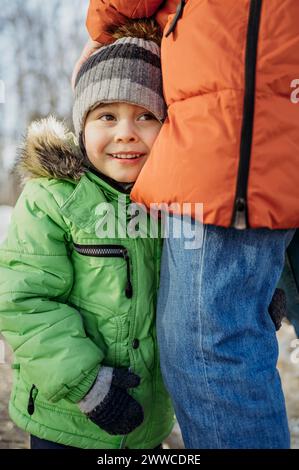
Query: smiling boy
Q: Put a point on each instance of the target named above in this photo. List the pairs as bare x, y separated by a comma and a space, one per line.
118, 138
79, 312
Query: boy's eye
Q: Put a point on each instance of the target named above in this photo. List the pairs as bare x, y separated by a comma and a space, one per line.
106, 117
147, 117
110, 117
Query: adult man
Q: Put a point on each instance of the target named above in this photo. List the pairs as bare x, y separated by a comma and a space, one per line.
231, 142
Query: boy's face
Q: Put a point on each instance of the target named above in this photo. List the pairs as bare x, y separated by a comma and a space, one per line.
118, 139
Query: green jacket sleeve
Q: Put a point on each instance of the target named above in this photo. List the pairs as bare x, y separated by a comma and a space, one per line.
46, 334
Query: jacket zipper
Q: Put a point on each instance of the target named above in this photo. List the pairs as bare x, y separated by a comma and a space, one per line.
178, 15
240, 210
32, 396
109, 251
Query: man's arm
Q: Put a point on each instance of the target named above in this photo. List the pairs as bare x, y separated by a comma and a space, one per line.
90, 47
102, 13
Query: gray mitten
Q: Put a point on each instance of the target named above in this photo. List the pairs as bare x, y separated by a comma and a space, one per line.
278, 307
109, 405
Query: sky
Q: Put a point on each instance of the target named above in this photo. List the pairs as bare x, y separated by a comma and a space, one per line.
62, 23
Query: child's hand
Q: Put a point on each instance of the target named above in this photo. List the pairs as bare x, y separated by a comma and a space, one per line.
116, 412
89, 48
278, 307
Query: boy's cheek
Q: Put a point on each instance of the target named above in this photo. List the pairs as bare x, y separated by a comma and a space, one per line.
143, 161
93, 146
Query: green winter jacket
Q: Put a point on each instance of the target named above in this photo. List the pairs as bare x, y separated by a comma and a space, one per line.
67, 308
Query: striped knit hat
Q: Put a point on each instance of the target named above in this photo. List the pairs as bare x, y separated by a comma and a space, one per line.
129, 70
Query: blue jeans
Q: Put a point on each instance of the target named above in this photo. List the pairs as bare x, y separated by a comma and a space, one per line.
38, 443
217, 340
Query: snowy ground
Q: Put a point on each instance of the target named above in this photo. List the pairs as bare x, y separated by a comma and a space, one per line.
288, 366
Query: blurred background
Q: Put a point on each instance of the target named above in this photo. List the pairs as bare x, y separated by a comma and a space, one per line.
40, 42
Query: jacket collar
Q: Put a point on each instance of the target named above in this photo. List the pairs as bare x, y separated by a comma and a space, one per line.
97, 192
50, 150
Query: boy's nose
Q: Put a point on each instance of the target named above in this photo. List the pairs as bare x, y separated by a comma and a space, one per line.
125, 133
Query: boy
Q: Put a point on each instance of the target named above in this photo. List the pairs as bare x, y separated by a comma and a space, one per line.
79, 312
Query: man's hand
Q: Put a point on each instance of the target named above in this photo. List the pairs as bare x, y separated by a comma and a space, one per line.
89, 48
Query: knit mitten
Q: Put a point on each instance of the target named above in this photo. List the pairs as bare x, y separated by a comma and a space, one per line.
109, 405
278, 307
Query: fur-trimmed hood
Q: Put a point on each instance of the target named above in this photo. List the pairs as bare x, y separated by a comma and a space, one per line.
50, 150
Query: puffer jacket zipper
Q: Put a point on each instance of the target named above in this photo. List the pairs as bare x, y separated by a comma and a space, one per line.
177, 16
32, 396
109, 251
240, 211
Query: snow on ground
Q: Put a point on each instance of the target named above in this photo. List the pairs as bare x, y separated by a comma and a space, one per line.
288, 365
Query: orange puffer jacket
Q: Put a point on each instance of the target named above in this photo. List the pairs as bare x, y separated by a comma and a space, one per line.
231, 138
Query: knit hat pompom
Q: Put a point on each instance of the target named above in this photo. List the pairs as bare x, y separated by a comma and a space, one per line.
127, 70
144, 28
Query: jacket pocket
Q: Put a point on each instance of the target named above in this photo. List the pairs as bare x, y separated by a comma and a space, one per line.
109, 251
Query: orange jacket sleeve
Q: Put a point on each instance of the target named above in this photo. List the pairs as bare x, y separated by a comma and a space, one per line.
102, 13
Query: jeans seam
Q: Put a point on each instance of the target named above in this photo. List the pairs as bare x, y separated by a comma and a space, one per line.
201, 336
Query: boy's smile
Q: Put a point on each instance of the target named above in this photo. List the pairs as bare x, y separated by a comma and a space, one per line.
118, 139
